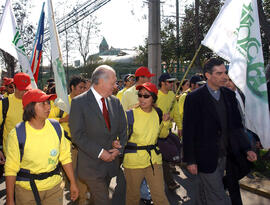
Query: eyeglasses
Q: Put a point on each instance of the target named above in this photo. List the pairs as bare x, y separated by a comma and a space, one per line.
10, 86
144, 96
169, 81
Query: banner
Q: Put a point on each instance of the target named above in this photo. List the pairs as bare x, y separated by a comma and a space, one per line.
235, 36
11, 41
37, 47
58, 69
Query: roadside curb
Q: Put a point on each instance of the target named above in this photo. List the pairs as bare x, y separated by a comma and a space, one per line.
257, 186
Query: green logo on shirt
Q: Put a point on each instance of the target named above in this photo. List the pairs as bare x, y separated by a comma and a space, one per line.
53, 152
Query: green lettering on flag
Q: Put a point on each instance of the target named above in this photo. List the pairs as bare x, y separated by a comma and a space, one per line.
249, 46
61, 73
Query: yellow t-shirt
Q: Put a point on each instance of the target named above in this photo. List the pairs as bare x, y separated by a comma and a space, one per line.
42, 153
165, 102
130, 98
120, 94
14, 116
55, 113
181, 103
145, 132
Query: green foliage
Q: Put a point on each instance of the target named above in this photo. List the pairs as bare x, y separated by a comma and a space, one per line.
207, 14
262, 165
168, 43
142, 58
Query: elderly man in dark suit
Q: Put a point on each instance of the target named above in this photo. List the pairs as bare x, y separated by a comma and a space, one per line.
96, 120
212, 130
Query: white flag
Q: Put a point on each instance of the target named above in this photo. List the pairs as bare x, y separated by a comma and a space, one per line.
235, 36
11, 41
58, 69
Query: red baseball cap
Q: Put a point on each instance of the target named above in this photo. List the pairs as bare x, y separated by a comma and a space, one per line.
22, 81
2, 88
143, 71
36, 95
148, 86
7, 81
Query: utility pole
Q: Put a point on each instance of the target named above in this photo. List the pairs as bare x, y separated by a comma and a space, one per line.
177, 39
154, 46
67, 48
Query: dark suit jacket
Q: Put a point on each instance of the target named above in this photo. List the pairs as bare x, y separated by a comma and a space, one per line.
89, 132
202, 129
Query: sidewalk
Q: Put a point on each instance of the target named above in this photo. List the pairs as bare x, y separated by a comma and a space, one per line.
260, 186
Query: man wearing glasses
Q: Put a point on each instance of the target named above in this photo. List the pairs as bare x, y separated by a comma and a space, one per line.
168, 104
9, 85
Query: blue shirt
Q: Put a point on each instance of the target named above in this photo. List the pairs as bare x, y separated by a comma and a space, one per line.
214, 93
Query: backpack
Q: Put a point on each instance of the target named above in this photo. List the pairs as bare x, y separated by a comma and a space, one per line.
170, 147
21, 134
24, 174
5, 105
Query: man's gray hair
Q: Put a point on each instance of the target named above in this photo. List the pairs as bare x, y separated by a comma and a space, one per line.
101, 72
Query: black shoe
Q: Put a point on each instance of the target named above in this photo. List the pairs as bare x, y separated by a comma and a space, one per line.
147, 201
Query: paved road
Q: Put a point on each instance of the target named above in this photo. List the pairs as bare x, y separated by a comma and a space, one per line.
185, 195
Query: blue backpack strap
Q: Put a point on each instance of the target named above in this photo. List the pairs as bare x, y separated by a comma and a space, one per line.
57, 128
130, 120
5, 105
21, 136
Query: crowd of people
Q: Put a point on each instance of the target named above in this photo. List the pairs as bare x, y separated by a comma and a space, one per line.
113, 127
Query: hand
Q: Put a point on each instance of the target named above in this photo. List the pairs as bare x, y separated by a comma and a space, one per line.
106, 156
180, 133
114, 153
193, 169
116, 144
74, 191
64, 119
2, 158
251, 156
166, 117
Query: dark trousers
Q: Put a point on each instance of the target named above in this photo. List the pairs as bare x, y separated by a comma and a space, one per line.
99, 189
232, 184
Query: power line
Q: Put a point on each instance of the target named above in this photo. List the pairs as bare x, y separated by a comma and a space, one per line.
76, 15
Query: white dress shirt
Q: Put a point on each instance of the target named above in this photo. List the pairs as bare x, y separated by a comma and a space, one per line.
99, 102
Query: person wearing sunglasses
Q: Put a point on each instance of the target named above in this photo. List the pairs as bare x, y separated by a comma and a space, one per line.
142, 158
9, 85
168, 104
130, 96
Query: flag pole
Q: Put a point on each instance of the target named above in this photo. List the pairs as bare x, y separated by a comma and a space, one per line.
190, 65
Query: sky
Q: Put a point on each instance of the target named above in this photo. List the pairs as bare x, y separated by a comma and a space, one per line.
124, 23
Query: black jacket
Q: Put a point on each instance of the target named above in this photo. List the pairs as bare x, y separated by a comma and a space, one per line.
202, 129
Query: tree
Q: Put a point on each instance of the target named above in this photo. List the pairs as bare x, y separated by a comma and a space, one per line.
20, 8
142, 58
264, 15
193, 29
84, 31
168, 43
